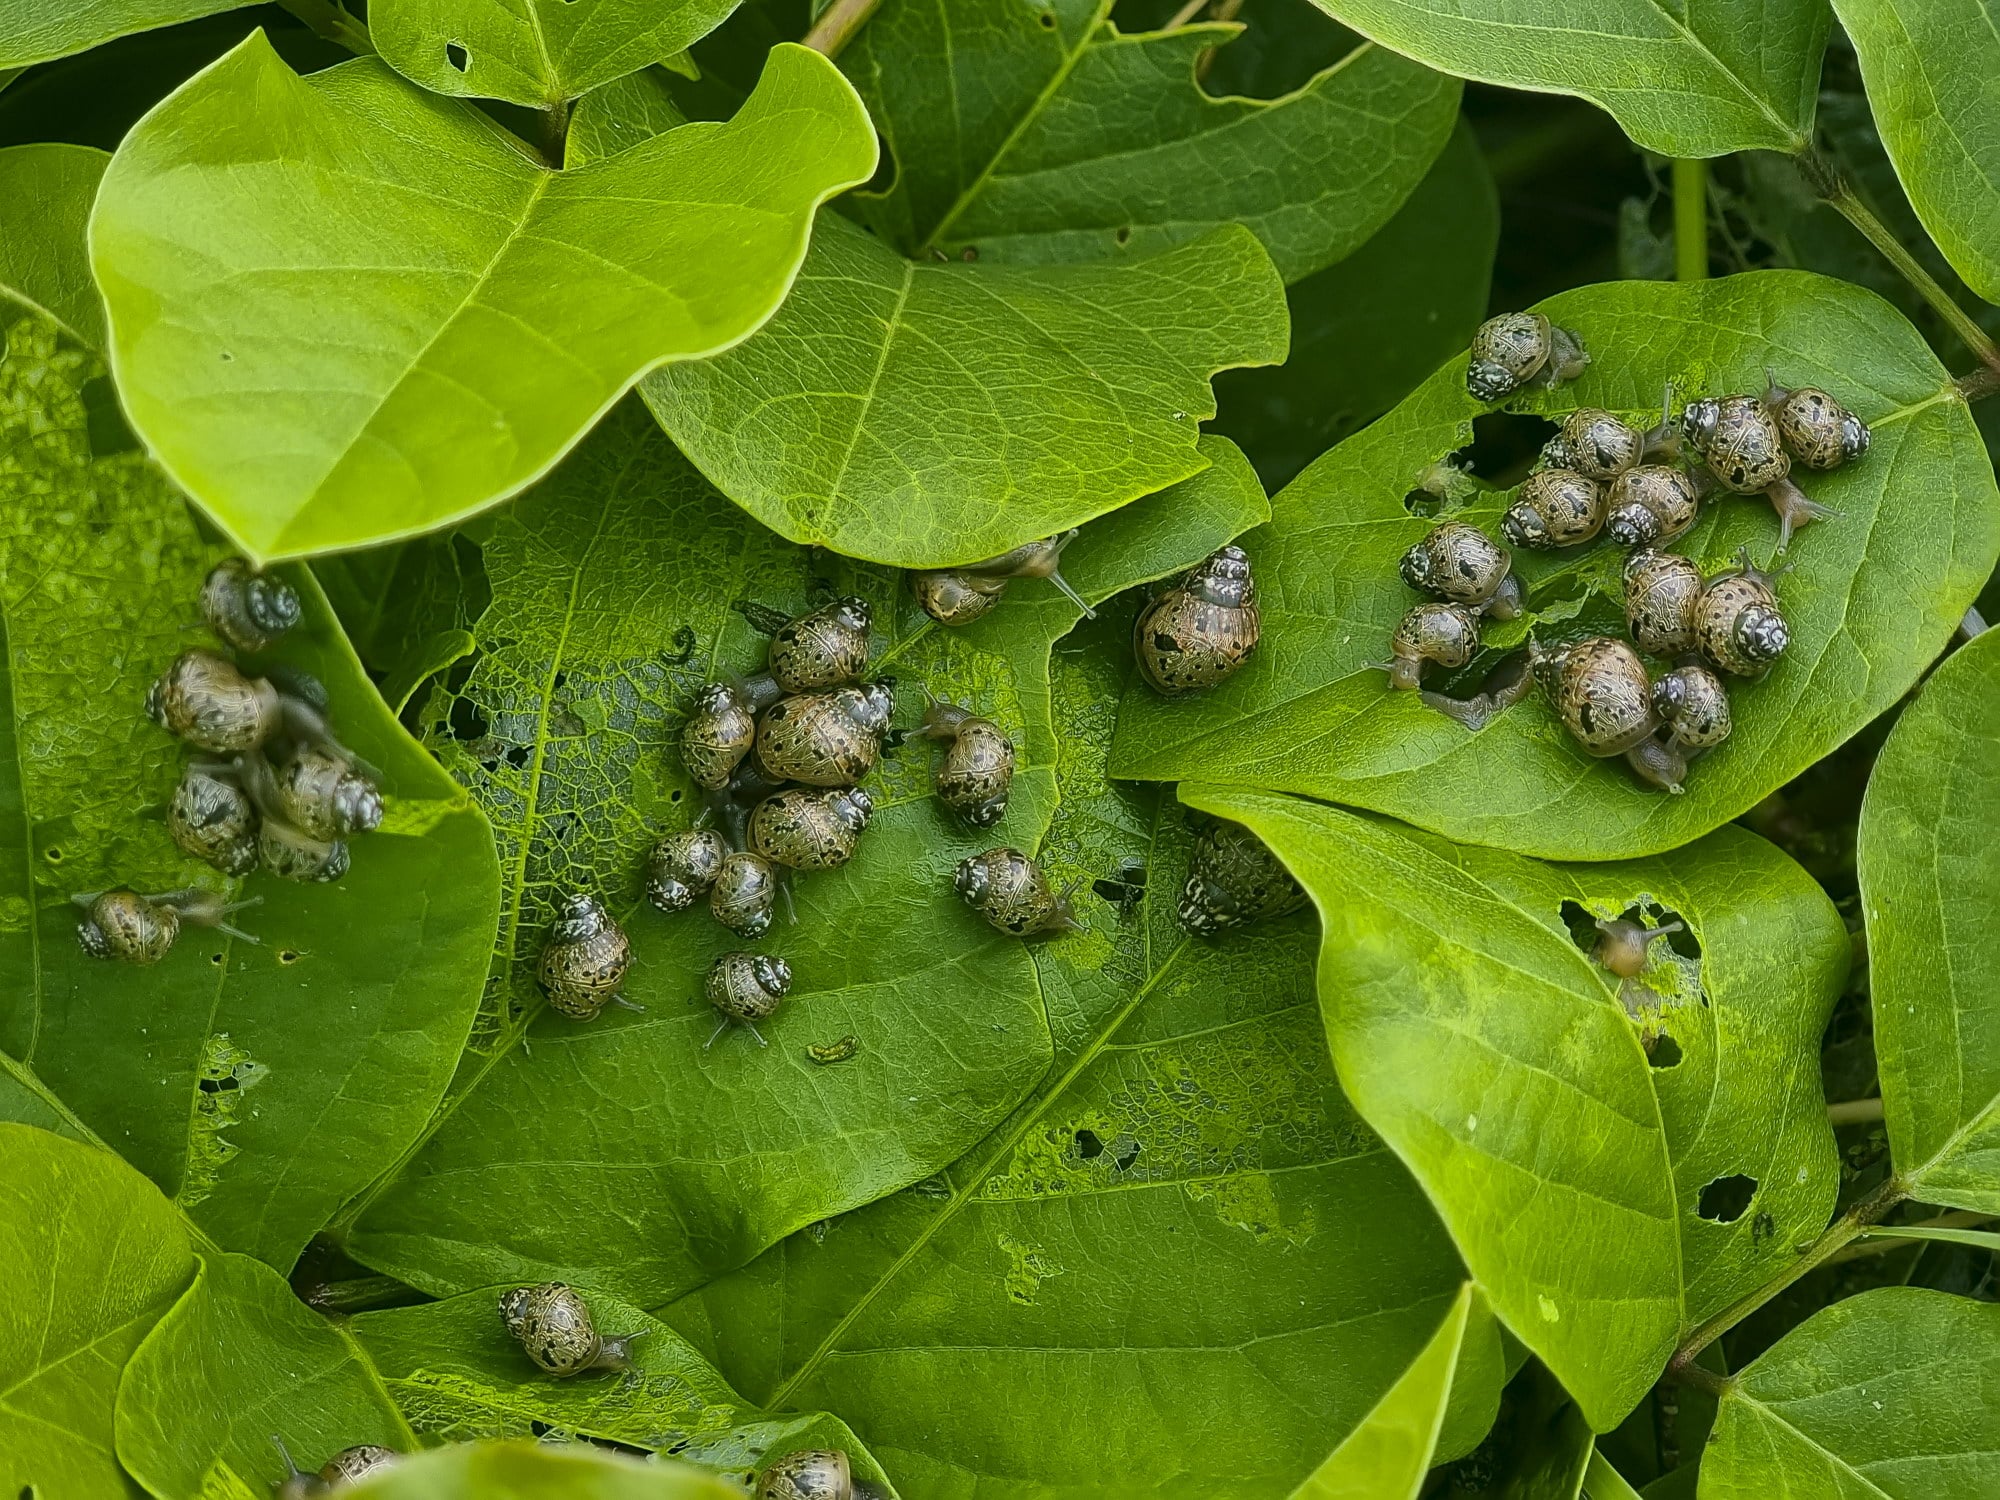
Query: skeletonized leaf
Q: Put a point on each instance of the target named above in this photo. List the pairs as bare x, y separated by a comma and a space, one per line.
45, 193
33, 32
535, 1471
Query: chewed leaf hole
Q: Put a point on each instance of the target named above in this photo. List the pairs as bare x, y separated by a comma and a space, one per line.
1726, 1199
1088, 1146
1665, 1052
456, 55
288, 955
1505, 444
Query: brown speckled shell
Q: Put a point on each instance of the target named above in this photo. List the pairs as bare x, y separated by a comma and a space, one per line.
1447, 634
745, 894
212, 818
1202, 628
1458, 563
717, 735
584, 960
1603, 696
1817, 430
1660, 593
1507, 352
1010, 891
325, 798
1554, 508
956, 598
747, 986
682, 865
1695, 706
248, 610
977, 771
1720, 618
810, 1474
1742, 447
823, 649
205, 700
357, 1463
554, 1325
1595, 444
808, 829
822, 739
292, 854
1233, 880
124, 925
1650, 506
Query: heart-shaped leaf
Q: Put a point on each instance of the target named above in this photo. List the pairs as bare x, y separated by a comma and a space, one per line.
536, 1471
32, 33
1874, 593
1607, 1197
344, 310
45, 193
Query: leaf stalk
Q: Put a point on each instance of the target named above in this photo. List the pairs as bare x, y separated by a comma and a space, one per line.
1854, 1112
836, 28
328, 19
1690, 219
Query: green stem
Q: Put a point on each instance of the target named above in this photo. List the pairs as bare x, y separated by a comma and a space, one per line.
836, 28
327, 19
1690, 219
1956, 1219
1854, 1112
555, 133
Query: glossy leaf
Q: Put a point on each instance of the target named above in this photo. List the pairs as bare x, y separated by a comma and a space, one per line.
533, 52
1931, 892
1874, 595
258, 1085
32, 32
238, 1359
45, 194
1589, 1191
533, 1471
94, 1255
344, 310
1886, 1396
1602, 1482
1548, 1443
1681, 81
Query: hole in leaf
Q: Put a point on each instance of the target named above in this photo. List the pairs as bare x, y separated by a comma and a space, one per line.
465, 722
1505, 444
456, 55
1726, 1199
518, 756
1124, 235
215, 958
1048, 20
1423, 503
1665, 1052
53, 854
288, 955
105, 426
1124, 1152
675, 795
1088, 1146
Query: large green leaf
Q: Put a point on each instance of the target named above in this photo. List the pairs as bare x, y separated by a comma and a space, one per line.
1471, 1030
1930, 889
238, 1359
533, 1471
45, 194
1927, 65
1182, 1267
1875, 593
34, 31
344, 310
534, 52
93, 1255
1680, 80
1886, 1396
259, 1085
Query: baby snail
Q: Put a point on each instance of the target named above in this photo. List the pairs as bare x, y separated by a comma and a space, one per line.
825, 739
682, 866
212, 818
1447, 634
1041, 559
138, 929
745, 988
1594, 444
1233, 880
1819, 432
1202, 628
811, 1474
1660, 593
1621, 945
823, 649
246, 608
717, 735
1463, 565
1695, 705
205, 700
1010, 891
1521, 349
1606, 702
293, 854
584, 960
956, 598
1737, 622
1739, 443
554, 1325
1554, 508
807, 829
978, 767
1650, 504
324, 797
345, 1467
744, 897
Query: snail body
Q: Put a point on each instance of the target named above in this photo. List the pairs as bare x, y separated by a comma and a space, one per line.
553, 1324
1519, 349
584, 960
246, 608
1738, 624
810, 829
213, 819
1042, 559
717, 735
1554, 508
1695, 705
823, 649
1605, 701
744, 897
956, 598
825, 739
1660, 593
1815, 428
1461, 564
1447, 634
136, 929
682, 866
1622, 946
1202, 628
746, 988
1010, 891
810, 1474
1650, 505
978, 767
1740, 443
291, 853
1595, 444
326, 798
1233, 880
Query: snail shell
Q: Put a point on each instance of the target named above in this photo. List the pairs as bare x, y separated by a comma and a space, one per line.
811, 1474
809, 829
1516, 349
205, 700
747, 987
246, 608
1554, 508
138, 929
1651, 504
956, 598
682, 866
1815, 428
356, 1463
1603, 696
1202, 628
825, 739
583, 962
823, 649
1233, 880
293, 854
745, 895
213, 819
325, 798
1461, 564
1595, 444
554, 1325
978, 768
1738, 441
1695, 705
1447, 634
1660, 593
717, 735
1738, 624
1010, 891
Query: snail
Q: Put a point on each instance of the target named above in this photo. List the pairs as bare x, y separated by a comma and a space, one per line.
206, 701
1815, 428
1554, 508
745, 988
138, 929
1032, 560
554, 1325
1660, 593
585, 959
825, 739
807, 829
246, 608
717, 735
1507, 684
682, 866
823, 649
745, 894
1520, 349
1201, 628
345, 1467
1233, 880
810, 1474
1739, 443
1606, 703
324, 797
1594, 444
1010, 891
1621, 945
1463, 565
213, 819
293, 854
1695, 705
978, 767
1650, 504
1447, 634
956, 598
1737, 622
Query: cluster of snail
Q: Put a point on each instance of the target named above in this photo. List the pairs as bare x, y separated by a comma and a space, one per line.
281, 793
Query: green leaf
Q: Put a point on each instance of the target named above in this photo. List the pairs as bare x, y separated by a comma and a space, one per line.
45, 194
33, 32
1930, 889
534, 1471
1044, 135
1602, 1482
94, 1255
1589, 1192
428, 317
619, 116
1924, 65
921, 414
534, 52
1875, 594
1549, 1442
238, 1359
261, 1086
1886, 1396
1681, 81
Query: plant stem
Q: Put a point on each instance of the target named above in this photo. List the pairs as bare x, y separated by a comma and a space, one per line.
555, 133
1854, 1112
836, 28
1956, 1219
1700, 1377
1690, 219
327, 19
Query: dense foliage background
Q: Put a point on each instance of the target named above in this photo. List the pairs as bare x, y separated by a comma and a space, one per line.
551, 348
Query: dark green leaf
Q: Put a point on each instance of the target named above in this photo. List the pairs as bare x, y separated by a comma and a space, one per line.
45, 194
32, 32
533, 1471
